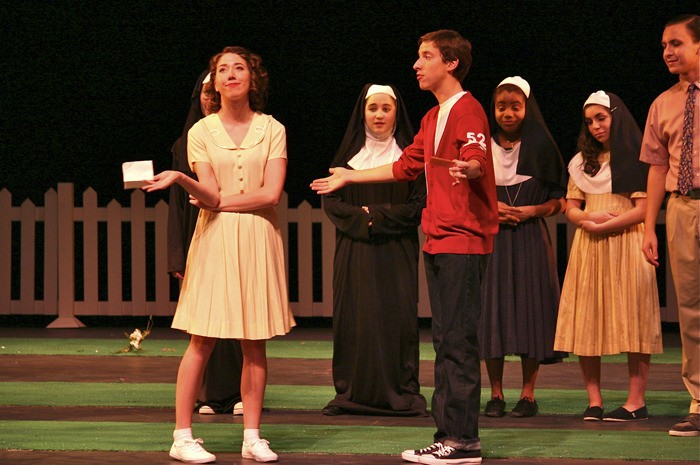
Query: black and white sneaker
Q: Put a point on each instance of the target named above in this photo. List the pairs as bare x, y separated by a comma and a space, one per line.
411, 455
452, 456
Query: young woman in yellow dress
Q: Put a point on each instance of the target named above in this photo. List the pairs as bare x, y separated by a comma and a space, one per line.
235, 284
609, 301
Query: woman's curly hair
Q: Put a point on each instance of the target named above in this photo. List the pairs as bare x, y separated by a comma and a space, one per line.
259, 79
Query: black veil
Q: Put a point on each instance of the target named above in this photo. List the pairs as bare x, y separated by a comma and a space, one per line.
354, 137
628, 173
539, 154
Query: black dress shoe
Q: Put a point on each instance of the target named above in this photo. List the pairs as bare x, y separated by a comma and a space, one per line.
495, 408
525, 408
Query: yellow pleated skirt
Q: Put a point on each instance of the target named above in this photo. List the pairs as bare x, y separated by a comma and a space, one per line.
609, 301
235, 283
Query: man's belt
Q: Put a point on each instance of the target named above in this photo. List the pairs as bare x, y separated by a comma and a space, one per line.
693, 194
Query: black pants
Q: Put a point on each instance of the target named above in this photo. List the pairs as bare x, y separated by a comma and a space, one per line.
454, 285
221, 386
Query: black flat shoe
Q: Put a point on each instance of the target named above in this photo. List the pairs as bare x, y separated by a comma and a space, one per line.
593, 414
622, 414
333, 411
525, 408
495, 408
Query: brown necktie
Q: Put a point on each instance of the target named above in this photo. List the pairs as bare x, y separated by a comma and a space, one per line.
685, 167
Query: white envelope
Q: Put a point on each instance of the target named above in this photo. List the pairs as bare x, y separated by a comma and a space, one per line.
136, 173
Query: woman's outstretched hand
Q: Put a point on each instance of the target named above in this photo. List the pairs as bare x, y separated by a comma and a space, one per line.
162, 180
339, 177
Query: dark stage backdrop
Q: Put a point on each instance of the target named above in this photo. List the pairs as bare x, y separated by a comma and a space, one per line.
88, 85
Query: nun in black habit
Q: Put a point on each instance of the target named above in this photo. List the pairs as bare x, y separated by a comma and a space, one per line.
520, 289
182, 216
221, 388
375, 272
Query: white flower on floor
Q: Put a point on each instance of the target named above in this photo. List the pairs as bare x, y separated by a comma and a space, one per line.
137, 337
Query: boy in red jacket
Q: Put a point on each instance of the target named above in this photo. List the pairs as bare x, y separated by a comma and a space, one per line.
460, 220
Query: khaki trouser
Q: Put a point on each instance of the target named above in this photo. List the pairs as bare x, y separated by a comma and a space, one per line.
683, 230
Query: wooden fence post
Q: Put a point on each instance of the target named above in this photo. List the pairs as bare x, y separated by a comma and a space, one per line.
27, 255
114, 259
66, 260
50, 252
305, 306
91, 304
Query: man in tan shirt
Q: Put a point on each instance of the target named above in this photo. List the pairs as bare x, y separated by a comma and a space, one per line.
672, 134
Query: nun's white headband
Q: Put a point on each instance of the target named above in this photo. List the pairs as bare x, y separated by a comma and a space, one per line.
377, 89
518, 82
598, 98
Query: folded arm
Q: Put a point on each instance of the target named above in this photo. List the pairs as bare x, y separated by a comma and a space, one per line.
266, 196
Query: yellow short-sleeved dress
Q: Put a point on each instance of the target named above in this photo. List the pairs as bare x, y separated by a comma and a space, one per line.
235, 283
609, 301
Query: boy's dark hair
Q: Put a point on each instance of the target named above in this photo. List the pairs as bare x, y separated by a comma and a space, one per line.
452, 47
692, 22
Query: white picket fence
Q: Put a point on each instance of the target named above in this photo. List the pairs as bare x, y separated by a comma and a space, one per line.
101, 261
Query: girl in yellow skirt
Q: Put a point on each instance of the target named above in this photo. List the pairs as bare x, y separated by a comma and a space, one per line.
609, 301
235, 284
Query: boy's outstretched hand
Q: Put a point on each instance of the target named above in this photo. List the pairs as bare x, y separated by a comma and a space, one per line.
339, 177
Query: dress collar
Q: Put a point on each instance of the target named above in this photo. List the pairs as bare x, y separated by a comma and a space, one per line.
253, 137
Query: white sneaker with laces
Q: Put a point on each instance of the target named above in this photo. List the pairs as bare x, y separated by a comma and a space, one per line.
447, 455
414, 455
191, 451
258, 450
